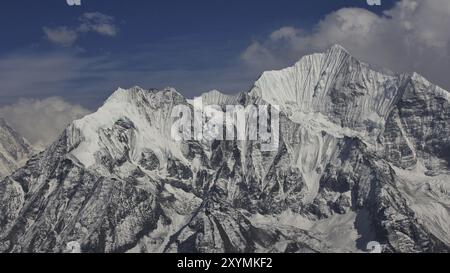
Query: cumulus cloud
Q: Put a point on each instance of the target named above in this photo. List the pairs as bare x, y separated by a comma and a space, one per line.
41, 121
412, 36
91, 22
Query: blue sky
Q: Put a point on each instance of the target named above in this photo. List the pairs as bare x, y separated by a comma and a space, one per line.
58, 63
194, 46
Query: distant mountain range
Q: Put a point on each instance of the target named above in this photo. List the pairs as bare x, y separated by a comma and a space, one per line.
363, 157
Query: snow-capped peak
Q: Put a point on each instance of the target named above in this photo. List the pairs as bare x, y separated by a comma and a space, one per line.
338, 48
342, 176
333, 84
215, 97
14, 149
148, 111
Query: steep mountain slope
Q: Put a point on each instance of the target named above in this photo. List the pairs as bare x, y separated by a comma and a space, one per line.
363, 156
14, 150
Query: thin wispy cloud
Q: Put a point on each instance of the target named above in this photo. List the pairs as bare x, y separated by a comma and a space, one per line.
89, 80
61, 35
98, 23
92, 22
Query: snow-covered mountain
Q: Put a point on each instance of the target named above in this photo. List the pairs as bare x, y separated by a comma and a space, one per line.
14, 150
363, 157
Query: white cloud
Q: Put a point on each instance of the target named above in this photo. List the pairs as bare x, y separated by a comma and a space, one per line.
94, 22
412, 36
61, 35
41, 121
99, 23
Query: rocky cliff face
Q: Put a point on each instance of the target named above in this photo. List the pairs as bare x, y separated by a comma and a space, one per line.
362, 157
14, 150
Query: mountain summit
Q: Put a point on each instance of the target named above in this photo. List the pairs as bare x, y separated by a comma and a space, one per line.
363, 157
14, 150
